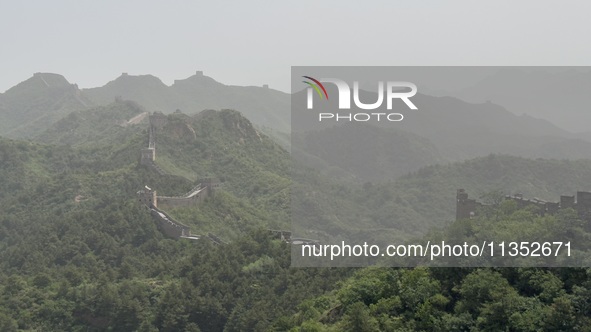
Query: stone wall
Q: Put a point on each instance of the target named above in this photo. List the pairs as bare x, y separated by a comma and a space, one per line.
467, 208
194, 197
168, 225
172, 202
148, 197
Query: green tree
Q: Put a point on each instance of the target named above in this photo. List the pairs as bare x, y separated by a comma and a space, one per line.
359, 319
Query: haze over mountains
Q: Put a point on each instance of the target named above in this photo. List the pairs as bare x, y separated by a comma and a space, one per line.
559, 94
444, 129
225, 145
464, 130
47, 108
264, 106
33, 105
75, 241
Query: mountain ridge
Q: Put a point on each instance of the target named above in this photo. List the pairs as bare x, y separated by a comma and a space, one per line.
34, 104
42, 99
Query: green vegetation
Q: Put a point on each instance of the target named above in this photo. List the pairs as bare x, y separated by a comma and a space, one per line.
33, 105
366, 152
426, 199
226, 146
464, 299
79, 253
450, 299
95, 127
226, 216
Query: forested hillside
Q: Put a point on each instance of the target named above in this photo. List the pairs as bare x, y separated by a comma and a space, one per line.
263, 106
425, 199
463, 299
97, 126
33, 105
37, 103
450, 299
365, 152
79, 253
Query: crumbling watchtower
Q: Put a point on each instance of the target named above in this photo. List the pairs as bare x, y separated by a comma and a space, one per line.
148, 197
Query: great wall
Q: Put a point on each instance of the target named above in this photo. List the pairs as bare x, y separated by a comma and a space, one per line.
467, 208
205, 188
148, 155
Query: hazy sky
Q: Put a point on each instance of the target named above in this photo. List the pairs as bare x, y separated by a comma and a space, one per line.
256, 42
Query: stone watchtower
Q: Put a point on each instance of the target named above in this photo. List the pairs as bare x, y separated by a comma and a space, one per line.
148, 197
211, 184
158, 120
148, 155
465, 207
583, 206
567, 202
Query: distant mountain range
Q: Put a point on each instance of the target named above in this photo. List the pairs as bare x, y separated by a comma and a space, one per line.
35, 104
47, 108
366, 152
443, 129
464, 130
403, 178
263, 106
558, 94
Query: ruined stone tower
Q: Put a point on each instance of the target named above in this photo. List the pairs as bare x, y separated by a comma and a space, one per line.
465, 207
158, 120
212, 184
148, 197
148, 155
